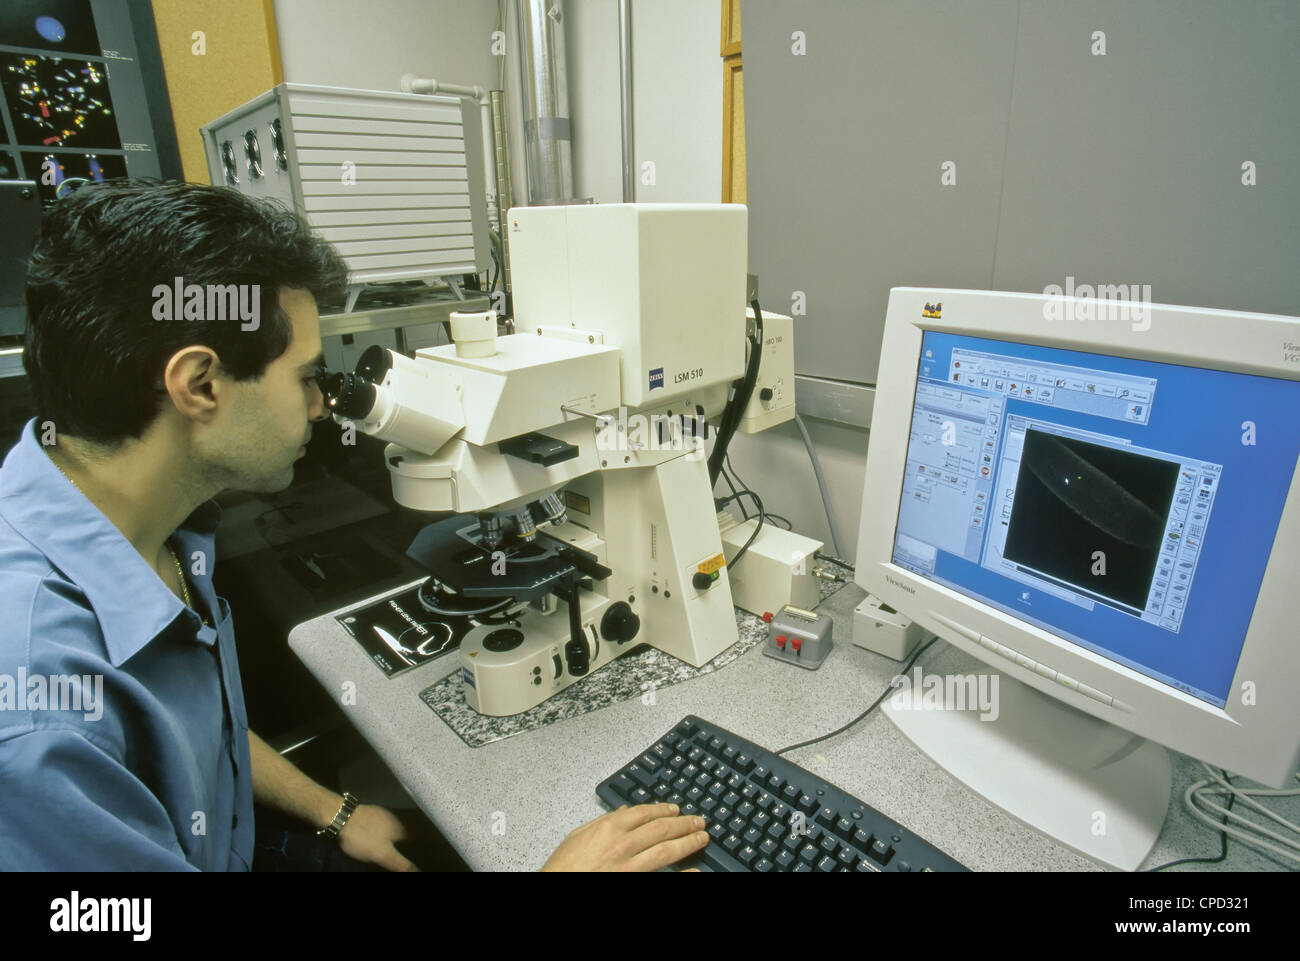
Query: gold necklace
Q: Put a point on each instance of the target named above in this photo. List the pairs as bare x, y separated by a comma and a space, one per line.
180, 571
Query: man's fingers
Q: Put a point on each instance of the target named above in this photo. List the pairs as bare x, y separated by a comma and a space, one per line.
631, 818
393, 861
663, 829
669, 852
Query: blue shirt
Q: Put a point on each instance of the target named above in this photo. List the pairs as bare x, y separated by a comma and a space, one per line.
152, 774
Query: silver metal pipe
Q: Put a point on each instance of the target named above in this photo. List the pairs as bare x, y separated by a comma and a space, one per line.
543, 76
505, 197
625, 73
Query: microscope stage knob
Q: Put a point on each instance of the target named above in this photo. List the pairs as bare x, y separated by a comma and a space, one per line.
620, 624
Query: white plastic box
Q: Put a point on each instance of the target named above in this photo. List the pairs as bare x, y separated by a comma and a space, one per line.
393, 180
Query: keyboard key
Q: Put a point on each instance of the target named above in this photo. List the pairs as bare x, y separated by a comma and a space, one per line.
847, 856
765, 802
747, 855
716, 744
784, 860
762, 866
753, 836
776, 830
861, 840
737, 825
694, 794
640, 796
703, 780
650, 761
717, 831
744, 763
760, 774
829, 844
865, 866
793, 844
790, 793
708, 764
691, 771
661, 791
808, 854
749, 791
735, 780
826, 815
731, 798
717, 789
827, 863
769, 847
881, 851
708, 805
845, 828
690, 807
731, 843
723, 813
801, 868
677, 762
681, 784
775, 783
746, 810
729, 755
687, 728
623, 785
675, 798
806, 804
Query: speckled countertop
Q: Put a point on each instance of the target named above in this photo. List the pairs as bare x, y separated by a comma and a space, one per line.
507, 804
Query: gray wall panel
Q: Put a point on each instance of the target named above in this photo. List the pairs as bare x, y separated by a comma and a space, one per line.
1126, 168
844, 147
1117, 169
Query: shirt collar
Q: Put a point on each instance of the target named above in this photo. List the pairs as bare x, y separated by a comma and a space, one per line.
130, 601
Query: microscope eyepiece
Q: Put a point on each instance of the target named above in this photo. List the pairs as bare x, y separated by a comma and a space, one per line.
349, 395
375, 363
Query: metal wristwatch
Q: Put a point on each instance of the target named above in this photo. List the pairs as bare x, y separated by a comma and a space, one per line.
331, 831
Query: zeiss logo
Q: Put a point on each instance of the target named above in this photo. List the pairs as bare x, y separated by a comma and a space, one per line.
656, 378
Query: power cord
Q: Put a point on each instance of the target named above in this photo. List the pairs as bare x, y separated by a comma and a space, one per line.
874, 704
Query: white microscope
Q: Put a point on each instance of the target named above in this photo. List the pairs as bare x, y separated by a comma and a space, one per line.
572, 451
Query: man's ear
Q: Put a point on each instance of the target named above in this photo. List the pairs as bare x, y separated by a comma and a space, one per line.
190, 380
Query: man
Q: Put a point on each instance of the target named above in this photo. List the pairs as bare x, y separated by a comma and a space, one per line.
172, 348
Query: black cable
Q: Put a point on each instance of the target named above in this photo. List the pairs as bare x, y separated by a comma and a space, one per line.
778, 517
758, 505
874, 704
743, 391
1223, 838
734, 495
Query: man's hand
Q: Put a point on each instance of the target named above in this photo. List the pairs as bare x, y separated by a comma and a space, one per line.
369, 835
646, 837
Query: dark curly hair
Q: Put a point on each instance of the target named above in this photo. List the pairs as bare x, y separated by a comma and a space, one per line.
95, 354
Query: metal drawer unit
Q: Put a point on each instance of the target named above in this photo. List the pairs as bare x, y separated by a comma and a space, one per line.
393, 180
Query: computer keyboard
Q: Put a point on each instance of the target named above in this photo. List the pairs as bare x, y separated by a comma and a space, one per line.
763, 812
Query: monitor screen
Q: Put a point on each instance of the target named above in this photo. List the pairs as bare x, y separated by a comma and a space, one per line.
1123, 505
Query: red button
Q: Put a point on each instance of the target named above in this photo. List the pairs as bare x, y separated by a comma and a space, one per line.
780, 640
796, 643
767, 617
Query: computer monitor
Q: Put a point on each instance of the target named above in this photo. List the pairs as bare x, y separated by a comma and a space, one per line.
1098, 498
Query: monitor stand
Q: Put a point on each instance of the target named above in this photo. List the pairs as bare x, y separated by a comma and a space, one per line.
1087, 783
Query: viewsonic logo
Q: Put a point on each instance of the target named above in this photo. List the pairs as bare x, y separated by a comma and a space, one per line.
900, 585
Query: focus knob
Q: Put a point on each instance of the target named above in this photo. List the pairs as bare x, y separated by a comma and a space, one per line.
701, 581
765, 394
619, 625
